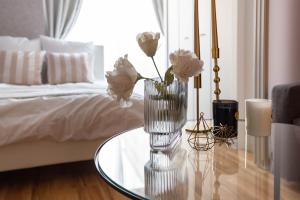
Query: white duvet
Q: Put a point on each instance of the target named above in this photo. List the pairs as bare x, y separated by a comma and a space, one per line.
79, 111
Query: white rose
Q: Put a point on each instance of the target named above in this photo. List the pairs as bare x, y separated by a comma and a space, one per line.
148, 42
185, 64
122, 79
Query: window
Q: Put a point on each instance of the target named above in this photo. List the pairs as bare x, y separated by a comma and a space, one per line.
115, 24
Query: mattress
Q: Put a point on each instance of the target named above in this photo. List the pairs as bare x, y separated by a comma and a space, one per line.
66, 112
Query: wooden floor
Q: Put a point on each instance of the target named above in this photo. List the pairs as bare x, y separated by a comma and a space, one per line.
75, 181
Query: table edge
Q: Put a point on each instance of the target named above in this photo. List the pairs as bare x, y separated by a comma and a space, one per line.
106, 178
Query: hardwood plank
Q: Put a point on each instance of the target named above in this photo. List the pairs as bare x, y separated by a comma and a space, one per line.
74, 181
81, 181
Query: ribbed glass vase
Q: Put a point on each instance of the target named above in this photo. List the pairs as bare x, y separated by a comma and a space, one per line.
165, 110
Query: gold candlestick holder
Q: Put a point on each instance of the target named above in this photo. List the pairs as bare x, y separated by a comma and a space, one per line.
216, 69
201, 140
200, 116
197, 86
197, 134
215, 49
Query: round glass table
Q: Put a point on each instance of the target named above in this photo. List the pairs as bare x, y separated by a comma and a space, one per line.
226, 171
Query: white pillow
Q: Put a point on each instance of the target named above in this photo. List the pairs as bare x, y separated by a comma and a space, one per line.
53, 45
9, 43
61, 46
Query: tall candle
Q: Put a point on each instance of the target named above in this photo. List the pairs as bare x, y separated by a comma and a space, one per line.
196, 30
197, 79
214, 29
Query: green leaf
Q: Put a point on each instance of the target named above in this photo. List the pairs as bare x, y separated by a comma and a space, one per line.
169, 76
160, 87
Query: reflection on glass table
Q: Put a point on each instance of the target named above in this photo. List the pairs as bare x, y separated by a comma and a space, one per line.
127, 163
166, 175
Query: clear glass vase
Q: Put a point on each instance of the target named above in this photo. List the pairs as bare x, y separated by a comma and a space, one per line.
165, 110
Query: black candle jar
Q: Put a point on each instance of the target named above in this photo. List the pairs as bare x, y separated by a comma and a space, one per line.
225, 115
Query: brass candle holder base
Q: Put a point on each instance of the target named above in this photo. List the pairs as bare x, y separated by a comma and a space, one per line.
201, 139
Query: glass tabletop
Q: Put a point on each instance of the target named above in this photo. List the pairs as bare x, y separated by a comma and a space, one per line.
239, 170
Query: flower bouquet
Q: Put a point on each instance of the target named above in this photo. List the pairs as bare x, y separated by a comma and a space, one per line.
165, 97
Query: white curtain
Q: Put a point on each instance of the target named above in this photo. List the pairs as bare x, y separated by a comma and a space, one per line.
60, 15
159, 12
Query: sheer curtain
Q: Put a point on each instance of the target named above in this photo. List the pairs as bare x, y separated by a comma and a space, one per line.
117, 31
159, 8
60, 15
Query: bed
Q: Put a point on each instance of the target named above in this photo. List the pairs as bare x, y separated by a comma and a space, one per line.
48, 124
51, 124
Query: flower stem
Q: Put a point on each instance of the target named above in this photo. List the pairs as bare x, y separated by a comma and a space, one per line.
156, 69
149, 79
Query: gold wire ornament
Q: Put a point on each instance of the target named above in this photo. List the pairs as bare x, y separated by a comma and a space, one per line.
223, 134
201, 139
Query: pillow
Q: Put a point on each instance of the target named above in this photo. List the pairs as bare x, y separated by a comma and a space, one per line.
61, 46
53, 45
21, 67
8, 43
68, 68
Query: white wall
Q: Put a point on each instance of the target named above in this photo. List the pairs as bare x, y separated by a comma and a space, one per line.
227, 29
284, 48
245, 53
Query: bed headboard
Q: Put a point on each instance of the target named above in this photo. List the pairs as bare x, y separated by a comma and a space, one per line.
99, 62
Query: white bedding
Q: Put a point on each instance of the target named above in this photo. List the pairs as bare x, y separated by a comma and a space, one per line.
80, 111
8, 91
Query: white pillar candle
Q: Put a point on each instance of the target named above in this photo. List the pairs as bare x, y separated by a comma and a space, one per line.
258, 117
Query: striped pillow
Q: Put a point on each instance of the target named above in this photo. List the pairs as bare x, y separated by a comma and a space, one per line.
21, 67
68, 68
